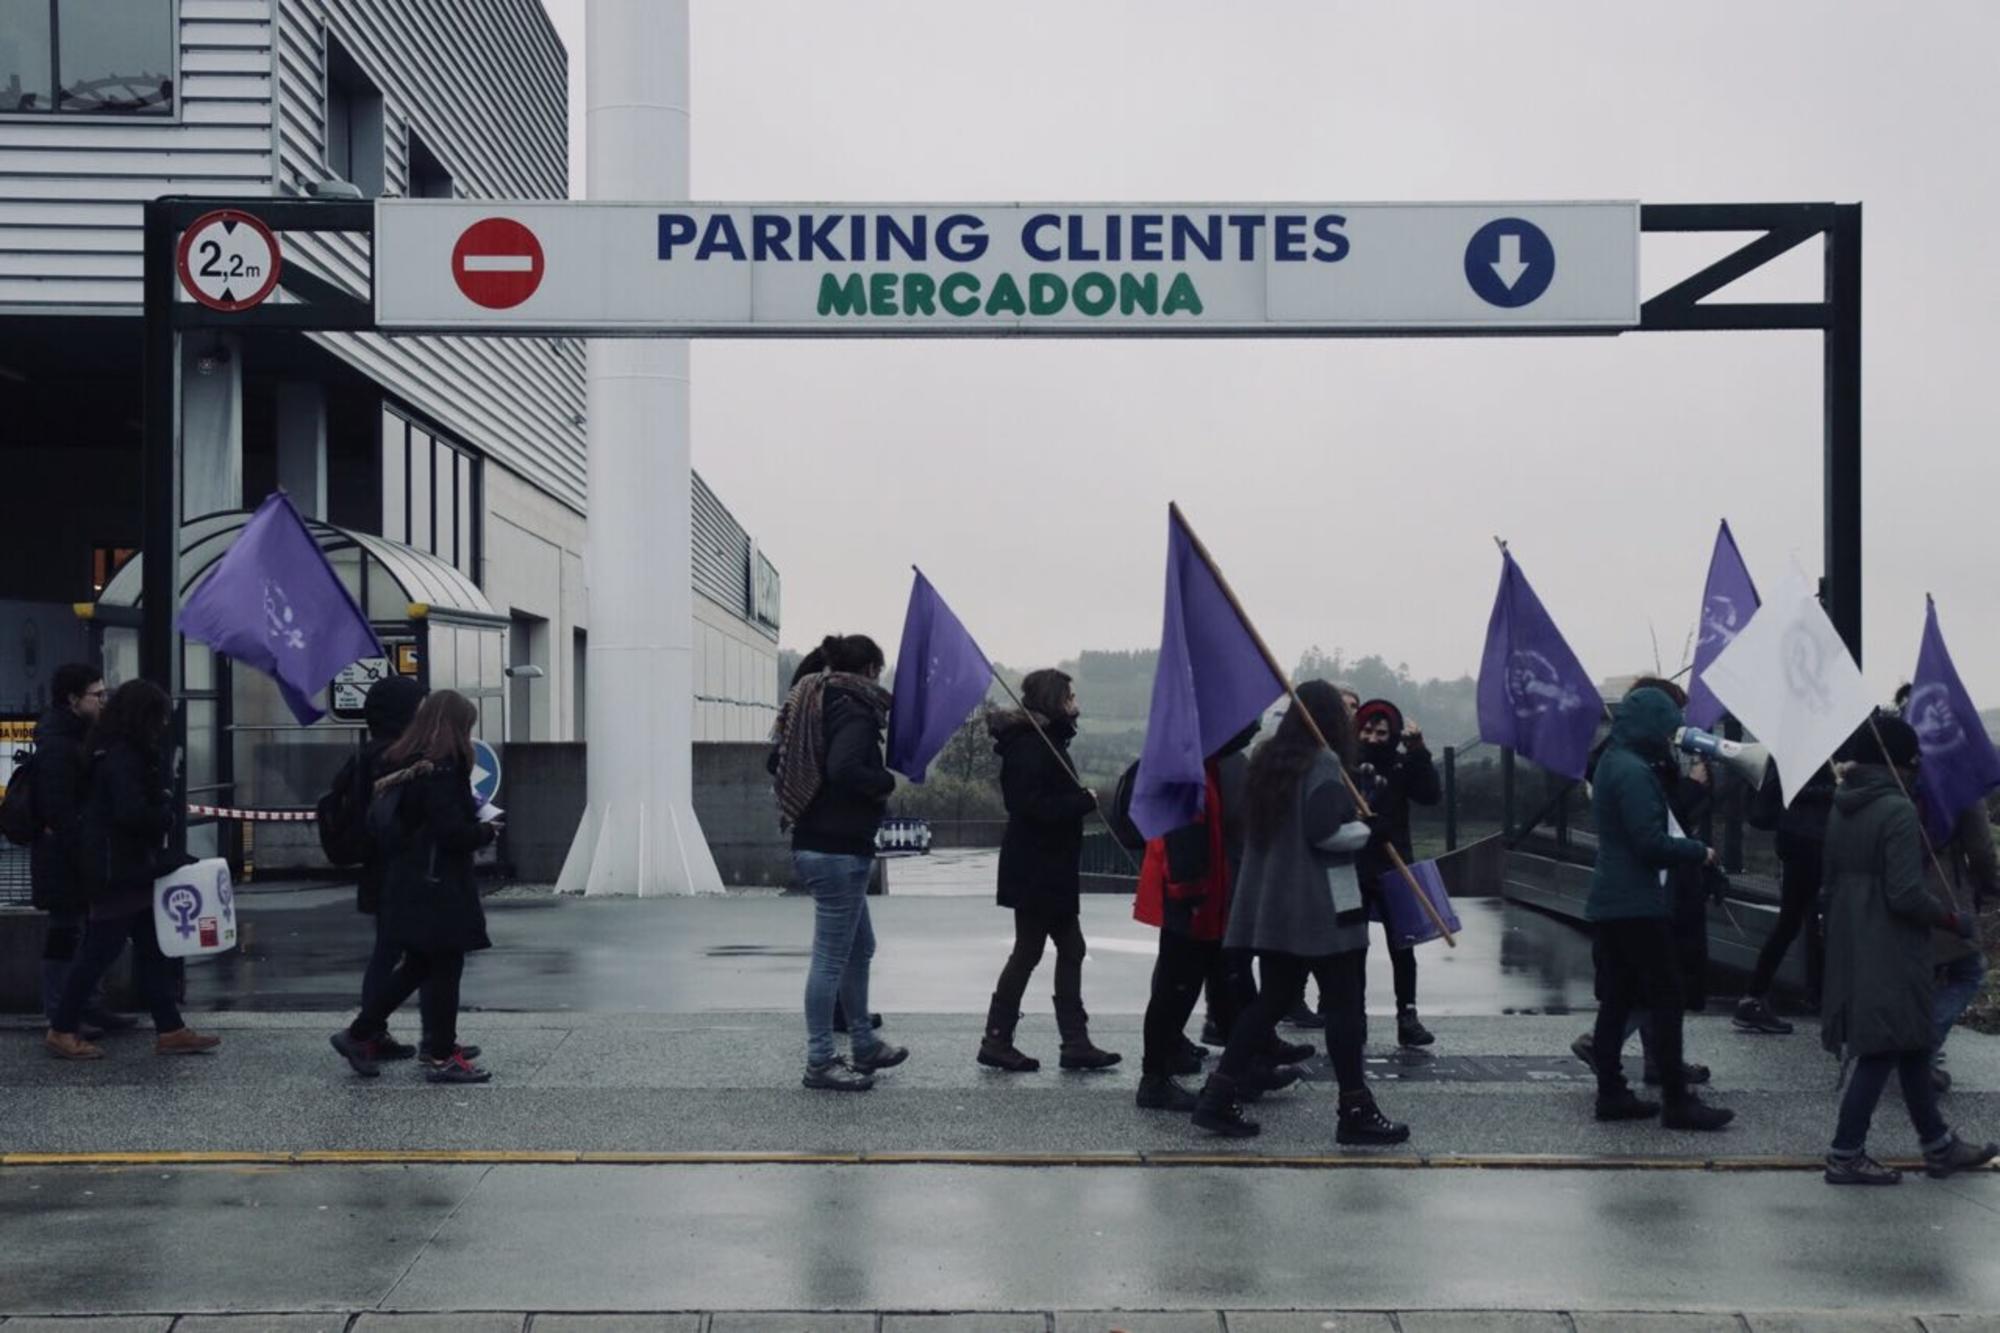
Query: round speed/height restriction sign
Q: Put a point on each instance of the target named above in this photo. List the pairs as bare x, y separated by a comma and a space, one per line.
228, 260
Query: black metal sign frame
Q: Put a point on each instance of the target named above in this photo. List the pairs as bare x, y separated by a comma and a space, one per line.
319, 306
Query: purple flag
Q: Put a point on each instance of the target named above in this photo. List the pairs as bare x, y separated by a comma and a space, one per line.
1726, 606
1959, 764
1212, 681
940, 677
274, 603
1535, 698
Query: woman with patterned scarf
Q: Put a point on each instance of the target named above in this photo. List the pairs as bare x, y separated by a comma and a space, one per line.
826, 755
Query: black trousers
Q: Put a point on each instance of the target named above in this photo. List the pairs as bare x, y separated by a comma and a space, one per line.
1033, 930
104, 939
437, 974
1864, 1090
1798, 909
1343, 982
1638, 968
1183, 968
1403, 963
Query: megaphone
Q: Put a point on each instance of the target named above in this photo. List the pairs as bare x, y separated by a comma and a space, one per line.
1747, 758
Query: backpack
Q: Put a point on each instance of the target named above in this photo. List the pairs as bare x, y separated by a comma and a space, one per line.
343, 816
1119, 817
17, 812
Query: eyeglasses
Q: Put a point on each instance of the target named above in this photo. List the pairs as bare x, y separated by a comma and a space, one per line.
99, 693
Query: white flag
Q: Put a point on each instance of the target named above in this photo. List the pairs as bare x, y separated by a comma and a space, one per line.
1789, 679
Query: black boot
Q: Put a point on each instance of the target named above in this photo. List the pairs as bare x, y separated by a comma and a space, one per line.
1213, 1033
1263, 1078
1218, 1111
1362, 1121
1077, 1051
1282, 1052
996, 1048
1158, 1092
1410, 1031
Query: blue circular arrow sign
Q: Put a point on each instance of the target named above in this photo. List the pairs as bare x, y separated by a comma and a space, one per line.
1510, 262
485, 772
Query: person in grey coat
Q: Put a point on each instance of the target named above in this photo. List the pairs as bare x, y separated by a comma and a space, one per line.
1297, 905
1877, 1014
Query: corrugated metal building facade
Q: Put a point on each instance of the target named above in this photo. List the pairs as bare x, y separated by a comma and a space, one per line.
469, 449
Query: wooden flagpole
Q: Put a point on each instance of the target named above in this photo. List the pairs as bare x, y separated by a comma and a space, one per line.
1285, 679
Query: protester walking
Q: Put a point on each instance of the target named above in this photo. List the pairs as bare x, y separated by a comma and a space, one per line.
1631, 911
54, 790
1041, 855
1184, 887
1394, 773
1878, 1013
1298, 906
832, 787
122, 847
426, 827
1801, 830
1689, 888
390, 706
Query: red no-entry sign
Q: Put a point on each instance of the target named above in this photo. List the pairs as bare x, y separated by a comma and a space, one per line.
497, 263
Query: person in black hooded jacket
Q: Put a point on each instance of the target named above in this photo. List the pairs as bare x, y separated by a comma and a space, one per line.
128, 813
1395, 772
1040, 857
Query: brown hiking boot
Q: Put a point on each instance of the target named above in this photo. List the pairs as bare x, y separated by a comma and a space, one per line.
185, 1041
69, 1046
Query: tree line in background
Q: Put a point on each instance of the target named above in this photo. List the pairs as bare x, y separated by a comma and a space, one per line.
1115, 690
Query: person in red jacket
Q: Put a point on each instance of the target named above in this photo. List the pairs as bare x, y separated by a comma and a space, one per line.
1184, 891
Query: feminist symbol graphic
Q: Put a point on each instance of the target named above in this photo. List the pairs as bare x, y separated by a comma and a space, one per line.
1719, 623
1535, 687
183, 904
278, 618
1805, 670
1935, 720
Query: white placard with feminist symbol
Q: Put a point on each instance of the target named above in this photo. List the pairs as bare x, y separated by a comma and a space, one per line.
1790, 680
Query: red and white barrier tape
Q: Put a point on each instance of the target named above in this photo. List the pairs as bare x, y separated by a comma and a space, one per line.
253, 816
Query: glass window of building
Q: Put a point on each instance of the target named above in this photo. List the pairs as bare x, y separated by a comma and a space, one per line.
428, 177
27, 55
395, 477
430, 490
353, 122
422, 534
87, 57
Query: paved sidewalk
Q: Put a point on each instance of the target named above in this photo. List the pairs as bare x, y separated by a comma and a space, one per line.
729, 1083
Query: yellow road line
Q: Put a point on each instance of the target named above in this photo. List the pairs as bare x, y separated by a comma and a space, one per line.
1305, 1161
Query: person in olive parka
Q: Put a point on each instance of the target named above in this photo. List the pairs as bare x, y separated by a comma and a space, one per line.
1630, 909
1040, 856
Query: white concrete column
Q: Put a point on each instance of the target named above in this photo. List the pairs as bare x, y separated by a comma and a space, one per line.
639, 834
302, 445
211, 424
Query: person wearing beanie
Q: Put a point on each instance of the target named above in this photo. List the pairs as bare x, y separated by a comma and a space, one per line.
1395, 772
1877, 1014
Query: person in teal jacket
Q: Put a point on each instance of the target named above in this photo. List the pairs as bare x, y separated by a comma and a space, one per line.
1631, 910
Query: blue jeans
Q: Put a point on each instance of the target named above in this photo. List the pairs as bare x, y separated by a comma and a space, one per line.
1955, 992
843, 942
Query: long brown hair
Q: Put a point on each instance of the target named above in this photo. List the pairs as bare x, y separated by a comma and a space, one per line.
1281, 763
440, 732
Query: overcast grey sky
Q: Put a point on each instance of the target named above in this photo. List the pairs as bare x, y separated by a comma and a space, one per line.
1350, 488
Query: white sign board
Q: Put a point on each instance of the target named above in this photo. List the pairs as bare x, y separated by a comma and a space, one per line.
352, 682
990, 269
